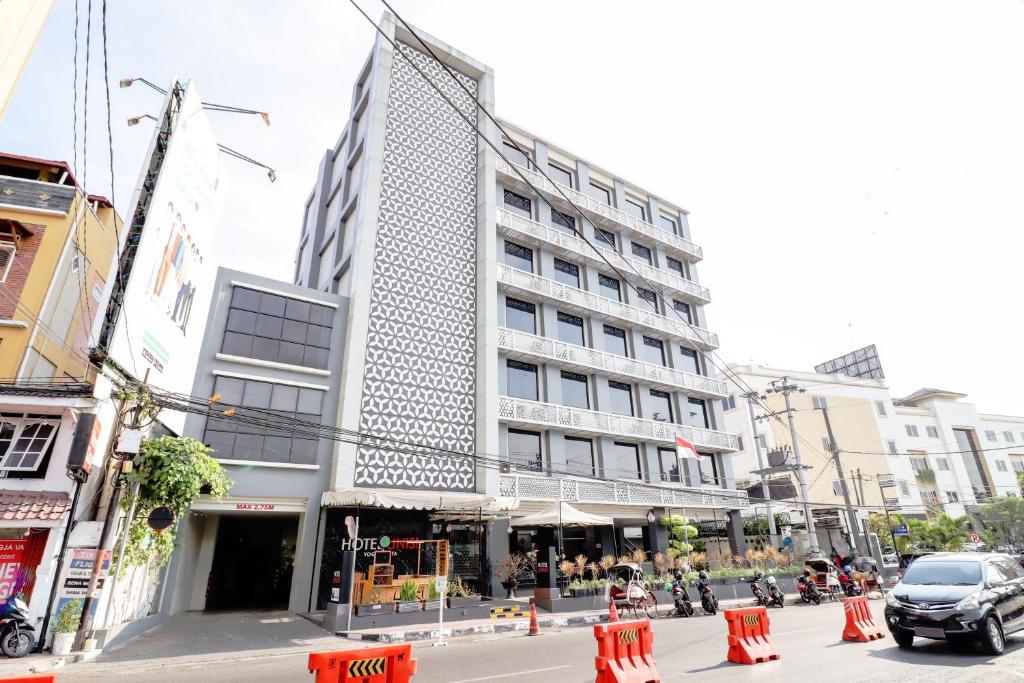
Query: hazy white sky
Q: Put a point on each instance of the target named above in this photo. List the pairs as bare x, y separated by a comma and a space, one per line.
853, 170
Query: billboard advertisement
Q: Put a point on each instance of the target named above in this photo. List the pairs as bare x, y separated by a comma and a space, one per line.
862, 363
163, 317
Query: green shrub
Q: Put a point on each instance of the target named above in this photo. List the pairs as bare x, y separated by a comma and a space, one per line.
68, 617
408, 592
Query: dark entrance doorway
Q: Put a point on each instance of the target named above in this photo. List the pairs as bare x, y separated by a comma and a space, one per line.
252, 563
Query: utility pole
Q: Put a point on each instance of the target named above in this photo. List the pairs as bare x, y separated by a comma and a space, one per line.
888, 519
850, 514
772, 531
785, 387
863, 497
856, 491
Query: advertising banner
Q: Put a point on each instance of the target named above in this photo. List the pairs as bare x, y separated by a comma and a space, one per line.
163, 318
19, 559
74, 580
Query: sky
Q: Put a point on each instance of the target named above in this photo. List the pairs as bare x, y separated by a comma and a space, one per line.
853, 169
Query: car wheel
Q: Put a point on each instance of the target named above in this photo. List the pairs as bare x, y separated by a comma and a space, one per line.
992, 640
903, 639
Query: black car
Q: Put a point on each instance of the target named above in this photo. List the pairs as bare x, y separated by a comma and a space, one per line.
976, 596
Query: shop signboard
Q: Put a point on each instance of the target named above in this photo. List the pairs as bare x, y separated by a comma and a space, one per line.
901, 530
75, 579
19, 558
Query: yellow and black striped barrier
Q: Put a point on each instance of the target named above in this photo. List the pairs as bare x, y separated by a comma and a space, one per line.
629, 636
368, 667
507, 612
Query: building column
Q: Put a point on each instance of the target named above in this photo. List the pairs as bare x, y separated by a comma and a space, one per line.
497, 551
657, 533
734, 528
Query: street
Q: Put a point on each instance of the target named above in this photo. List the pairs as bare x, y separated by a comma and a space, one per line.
808, 639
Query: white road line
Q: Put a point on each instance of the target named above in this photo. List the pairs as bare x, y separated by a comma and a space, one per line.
514, 673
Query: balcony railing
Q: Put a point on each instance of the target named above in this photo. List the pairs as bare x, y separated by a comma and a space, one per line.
521, 411
599, 212
534, 487
35, 195
533, 233
529, 285
521, 345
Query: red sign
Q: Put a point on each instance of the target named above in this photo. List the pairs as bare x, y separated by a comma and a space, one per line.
19, 558
255, 507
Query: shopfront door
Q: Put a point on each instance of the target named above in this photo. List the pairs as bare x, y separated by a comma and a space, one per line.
252, 562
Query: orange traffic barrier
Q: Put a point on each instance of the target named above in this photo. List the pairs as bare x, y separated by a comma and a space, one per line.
860, 624
384, 664
613, 614
625, 653
30, 678
749, 636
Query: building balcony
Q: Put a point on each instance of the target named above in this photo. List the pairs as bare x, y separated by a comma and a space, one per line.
521, 412
600, 213
533, 287
541, 488
525, 231
35, 196
524, 346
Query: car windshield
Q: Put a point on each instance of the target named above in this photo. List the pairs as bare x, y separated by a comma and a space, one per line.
945, 573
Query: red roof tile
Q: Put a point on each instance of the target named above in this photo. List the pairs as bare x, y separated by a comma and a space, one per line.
42, 505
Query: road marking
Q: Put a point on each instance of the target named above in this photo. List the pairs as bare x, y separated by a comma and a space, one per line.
786, 633
510, 675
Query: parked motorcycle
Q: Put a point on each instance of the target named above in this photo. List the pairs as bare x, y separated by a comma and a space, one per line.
17, 635
755, 588
851, 587
708, 601
809, 592
680, 596
775, 593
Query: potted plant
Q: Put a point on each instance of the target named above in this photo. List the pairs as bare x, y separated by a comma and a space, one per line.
377, 604
65, 626
511, 570
433, 601
408, 597
460, 595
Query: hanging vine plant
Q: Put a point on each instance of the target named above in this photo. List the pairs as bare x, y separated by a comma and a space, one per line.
171, 472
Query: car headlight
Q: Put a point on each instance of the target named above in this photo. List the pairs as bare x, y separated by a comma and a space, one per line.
970, 602
890, 599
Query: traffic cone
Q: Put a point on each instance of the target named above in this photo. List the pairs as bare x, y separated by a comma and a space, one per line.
534, 628
613, 614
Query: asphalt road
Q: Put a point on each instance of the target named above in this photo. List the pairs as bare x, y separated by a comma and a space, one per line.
807, 637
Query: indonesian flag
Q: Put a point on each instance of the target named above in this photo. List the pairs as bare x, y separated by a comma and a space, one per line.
685, 449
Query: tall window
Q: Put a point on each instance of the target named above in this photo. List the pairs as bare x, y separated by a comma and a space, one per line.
574, 390
524, 450
621, 396
522, 379
520, 315
636, 210
689, 360
567, 273
609, 287
275, 328
579, 456
892, 447
683, 310
698, 413
7, 252
563, 221
647, 299
676, 266
519, 256
643, 253
600, 193
514, 155
24, 440
285, 439
570, 329
661, 406
933, 432
667, 224
561, 175
615, 340
604, 239
653, 351
669, 462
518, 203
627, 461
911, 430
942, 464
880, 406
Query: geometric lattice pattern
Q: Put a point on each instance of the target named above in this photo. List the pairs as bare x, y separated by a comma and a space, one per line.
419, 382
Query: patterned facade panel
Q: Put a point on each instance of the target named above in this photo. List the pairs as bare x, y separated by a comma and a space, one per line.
419, 382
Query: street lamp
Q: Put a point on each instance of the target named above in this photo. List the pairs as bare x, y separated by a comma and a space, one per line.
127, 83
238, 155
134, 120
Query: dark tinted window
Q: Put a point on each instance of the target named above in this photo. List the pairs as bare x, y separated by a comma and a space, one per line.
615, 340
524, 449
570, 329
560, 175
513, 154
568, 273
609, 287
943, 573
521, 315
676, 266
519, 257
627, 460
683, 309
574, 390
653, 351
669, 463
564, 221
604, 239
621, 396
522, 379
661, 406
579, 456
698, 412
266, 437
647, 299
278, 329
519, 203
689, 360
643, 253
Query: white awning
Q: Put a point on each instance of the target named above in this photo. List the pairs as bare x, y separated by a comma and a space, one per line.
561, 514
417, 500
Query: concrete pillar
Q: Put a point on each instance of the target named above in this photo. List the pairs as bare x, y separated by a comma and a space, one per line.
657, 533
204, 563
497, 550
734, 528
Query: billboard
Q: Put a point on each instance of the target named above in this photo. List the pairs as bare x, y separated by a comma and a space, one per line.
163, 316
862, 363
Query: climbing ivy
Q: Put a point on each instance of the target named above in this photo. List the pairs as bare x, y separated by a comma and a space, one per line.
170, 471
